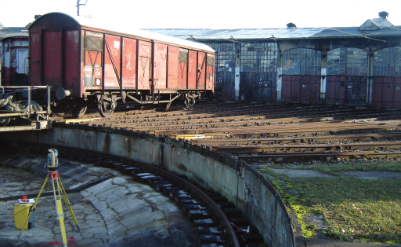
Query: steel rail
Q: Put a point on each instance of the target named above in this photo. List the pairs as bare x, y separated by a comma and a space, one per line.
294, 140
307, 147
304, 156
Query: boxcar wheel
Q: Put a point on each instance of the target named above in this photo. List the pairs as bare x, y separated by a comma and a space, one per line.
106, 108
81, 111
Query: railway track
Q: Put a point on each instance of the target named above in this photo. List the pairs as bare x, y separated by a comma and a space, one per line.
217, 221
271, 133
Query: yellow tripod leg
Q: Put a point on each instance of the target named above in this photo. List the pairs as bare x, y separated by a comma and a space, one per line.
67, 202
33, 207
60, 213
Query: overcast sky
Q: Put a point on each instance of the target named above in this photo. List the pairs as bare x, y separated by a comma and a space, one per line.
208, 13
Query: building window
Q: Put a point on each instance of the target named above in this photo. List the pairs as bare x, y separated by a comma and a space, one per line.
302, 61
387, 62
225, 56
258, 57
347, 61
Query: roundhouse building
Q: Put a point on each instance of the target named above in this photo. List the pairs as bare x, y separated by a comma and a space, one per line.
338, 65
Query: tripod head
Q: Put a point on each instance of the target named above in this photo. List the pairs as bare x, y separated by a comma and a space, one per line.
52, 159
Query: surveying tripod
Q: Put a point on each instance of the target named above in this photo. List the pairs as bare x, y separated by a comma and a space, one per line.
59, 192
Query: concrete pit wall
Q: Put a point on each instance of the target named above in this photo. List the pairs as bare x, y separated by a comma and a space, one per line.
237, 181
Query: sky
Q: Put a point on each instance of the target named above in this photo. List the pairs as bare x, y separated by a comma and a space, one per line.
208, 13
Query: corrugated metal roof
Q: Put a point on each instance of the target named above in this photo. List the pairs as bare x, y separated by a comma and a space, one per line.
354, 32
7, 32
276, 33
246, 33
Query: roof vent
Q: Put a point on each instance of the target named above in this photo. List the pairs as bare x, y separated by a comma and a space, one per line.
383, 14
37, 17
291, 25
376, 23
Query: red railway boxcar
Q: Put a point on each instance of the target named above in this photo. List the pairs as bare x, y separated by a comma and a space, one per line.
88, 63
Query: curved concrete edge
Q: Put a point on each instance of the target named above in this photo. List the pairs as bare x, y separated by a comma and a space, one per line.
237, 181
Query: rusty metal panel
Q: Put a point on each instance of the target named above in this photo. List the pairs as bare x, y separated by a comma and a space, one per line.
173, 67
286, 89
144, 65
356, 90
160, 66
336, 90
183, 65
388, 92
291, 91
397, 92
330, 90
377, 93
295, 89
112, 54
52, 59
310, 89
305, 90
192, 70
129, 63
201, 75
210, 72
71, 76
315, 90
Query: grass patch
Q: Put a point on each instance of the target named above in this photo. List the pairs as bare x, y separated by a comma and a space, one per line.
353, 209
292, 202
301, 211
368, 210
336, 168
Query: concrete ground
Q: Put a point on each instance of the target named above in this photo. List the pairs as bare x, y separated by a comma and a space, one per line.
116, 212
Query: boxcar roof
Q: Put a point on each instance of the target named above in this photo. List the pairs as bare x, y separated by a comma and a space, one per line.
126, 28
8, 32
